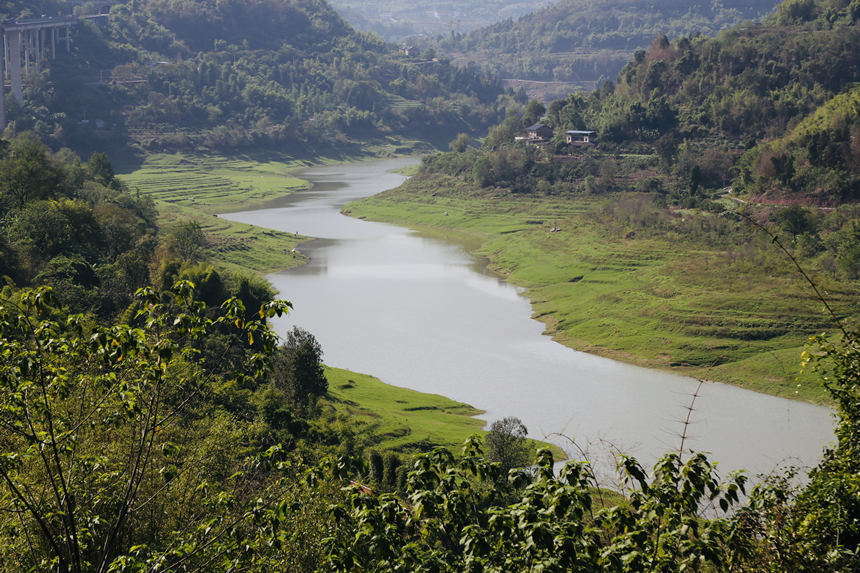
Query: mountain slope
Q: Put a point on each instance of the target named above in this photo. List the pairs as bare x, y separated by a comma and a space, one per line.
577, 40
401, 20
200, 73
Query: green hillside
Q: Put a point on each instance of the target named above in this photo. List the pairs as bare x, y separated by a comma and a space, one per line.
580, 41
699, 104
164, 74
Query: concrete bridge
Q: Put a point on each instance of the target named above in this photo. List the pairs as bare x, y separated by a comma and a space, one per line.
26, 43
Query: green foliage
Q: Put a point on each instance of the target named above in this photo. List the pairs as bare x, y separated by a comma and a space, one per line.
819, 158
73, 227
224, 75
506, 444
466, 515
581, 41
102, 171
27, 173
698, 103
532, 113
186, 241
813, 527
95, 427
298, 369
460, 143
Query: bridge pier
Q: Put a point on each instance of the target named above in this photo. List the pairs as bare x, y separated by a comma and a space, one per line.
2, 81
27, 40
13, 64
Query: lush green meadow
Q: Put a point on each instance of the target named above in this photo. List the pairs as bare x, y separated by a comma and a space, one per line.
709, 311
401, 419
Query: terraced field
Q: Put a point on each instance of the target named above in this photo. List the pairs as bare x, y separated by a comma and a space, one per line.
189, 187
716, 311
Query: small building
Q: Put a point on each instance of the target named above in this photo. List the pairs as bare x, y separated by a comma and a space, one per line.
539, 132
579, 138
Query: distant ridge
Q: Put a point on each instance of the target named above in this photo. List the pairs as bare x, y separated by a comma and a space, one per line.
581, 41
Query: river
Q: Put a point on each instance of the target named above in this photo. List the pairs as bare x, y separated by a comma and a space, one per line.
424, 314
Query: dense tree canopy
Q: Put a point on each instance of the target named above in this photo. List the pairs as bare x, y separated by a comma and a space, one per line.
183, 73
581, 41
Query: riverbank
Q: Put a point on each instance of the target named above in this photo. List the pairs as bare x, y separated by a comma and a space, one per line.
403, 420
199, 187
660, 302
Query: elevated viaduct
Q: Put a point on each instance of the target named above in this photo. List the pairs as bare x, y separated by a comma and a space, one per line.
26, 43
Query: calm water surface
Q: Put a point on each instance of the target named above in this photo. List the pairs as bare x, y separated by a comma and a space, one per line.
422, 313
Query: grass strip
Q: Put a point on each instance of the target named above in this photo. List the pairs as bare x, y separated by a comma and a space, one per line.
404, 420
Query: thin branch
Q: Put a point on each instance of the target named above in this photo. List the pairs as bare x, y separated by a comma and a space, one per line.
690, 410
49, 535
775, 240
26, 531
590, 469
134, 479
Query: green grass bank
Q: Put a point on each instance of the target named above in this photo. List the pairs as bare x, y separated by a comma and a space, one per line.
731, 314
403, 420
198, 187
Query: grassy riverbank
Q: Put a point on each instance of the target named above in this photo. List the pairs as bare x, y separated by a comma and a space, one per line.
405, 420
716, 312
197, 187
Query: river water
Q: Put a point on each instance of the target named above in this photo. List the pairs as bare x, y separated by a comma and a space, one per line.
424, 314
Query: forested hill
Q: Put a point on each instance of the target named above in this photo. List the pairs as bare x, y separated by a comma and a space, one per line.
784, 92
179, 73
580, 40
401, 20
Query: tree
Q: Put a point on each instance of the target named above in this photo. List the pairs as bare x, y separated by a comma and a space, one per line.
27, 173
466, 515
298, 369
506, 443
46, 229
187, 240
101, 169
816, 526
533, 112
796, 220
460, 143
94, 424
